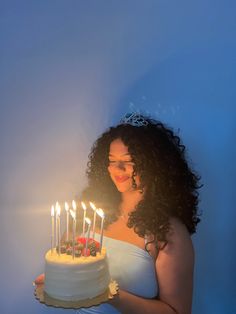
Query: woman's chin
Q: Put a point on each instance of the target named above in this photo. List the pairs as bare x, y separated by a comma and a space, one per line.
122, 188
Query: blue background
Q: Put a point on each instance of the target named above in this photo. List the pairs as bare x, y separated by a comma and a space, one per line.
69, 69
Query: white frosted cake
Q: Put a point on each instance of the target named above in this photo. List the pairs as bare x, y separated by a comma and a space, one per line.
81, 278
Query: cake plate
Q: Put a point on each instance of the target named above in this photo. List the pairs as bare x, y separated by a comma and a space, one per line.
43, 297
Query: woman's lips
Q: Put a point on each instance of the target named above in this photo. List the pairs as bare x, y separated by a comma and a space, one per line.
121, 179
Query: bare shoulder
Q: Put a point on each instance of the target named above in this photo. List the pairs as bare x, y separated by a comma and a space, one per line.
178, 234
179, 242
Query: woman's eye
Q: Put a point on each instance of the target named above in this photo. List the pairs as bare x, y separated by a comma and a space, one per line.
125, 162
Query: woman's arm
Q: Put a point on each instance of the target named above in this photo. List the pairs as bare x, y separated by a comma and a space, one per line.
174, 268
128, 303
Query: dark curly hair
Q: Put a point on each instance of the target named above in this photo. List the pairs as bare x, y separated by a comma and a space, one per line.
159, 159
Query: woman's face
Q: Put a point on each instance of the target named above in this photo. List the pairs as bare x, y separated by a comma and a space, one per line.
121, 167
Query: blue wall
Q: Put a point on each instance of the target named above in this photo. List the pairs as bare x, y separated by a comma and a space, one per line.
68, 70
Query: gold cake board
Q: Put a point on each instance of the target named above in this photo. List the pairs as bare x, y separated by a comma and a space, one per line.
43, 297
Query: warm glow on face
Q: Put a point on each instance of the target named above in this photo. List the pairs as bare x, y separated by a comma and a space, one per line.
121, 166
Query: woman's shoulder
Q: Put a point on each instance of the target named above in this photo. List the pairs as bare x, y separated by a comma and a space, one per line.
179, 242
178, 231
177, 239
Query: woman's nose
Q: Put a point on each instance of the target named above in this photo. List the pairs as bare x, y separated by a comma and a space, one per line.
120, 165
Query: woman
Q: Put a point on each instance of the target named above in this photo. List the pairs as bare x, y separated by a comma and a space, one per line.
138, 174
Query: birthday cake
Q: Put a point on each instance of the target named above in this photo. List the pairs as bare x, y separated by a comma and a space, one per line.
78, 276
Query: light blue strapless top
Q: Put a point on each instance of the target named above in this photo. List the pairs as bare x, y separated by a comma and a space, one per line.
132, 268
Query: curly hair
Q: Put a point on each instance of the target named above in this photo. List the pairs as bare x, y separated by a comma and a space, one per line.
159, 159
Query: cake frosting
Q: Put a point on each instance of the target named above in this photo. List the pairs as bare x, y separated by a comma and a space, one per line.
75, 279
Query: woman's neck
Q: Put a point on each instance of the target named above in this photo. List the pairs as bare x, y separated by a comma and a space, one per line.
130, 199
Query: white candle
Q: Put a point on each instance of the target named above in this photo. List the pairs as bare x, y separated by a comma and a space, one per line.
56, 240
67, 221
73, 215
74, 205
88, 221
59, 228
74, 208
101, 214
84, 208
94, 217
52, 230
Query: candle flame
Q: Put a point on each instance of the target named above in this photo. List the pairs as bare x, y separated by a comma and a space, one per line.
74, 205
52, 211
73, 214
100, 212
92, 205
58, 210
66, 206
88, 220
83, 205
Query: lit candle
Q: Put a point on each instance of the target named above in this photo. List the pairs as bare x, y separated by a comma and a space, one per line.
74, 208
59, 228
73, 215
101, 214
56, 240
84, 208
74, 205
52, 231
88, 221
67, 221
94, 217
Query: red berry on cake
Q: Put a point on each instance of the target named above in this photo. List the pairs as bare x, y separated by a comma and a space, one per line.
81, 240
97, 245
84, 252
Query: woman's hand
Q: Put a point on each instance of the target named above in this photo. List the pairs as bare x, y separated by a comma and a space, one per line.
39, 280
